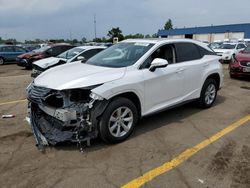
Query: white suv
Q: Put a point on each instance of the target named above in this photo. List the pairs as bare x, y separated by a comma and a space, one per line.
109, 93
228, 50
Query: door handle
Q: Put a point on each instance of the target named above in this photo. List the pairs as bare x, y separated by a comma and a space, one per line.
180, 70
206, 64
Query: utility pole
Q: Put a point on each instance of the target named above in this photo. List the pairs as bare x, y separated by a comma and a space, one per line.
95, 24
70, 35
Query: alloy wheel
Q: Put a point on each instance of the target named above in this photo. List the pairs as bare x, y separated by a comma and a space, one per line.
210, 94
121, 122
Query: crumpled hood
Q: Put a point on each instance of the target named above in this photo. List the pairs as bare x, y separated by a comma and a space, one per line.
47, 62
77, 75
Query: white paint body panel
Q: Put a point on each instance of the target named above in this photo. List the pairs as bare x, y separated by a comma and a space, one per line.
156, 90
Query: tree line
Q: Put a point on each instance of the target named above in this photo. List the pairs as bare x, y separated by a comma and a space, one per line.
114, 32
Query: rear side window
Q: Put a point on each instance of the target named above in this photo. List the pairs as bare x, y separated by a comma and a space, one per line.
90, 53
187, 52
7, 49
204, 51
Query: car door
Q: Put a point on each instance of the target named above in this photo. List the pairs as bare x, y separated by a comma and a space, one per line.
190, 59
8, 53
164, 86
19, 51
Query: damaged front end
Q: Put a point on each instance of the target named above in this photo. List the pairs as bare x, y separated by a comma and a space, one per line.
60, 116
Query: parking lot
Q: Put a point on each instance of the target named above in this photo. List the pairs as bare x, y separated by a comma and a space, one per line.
157, 140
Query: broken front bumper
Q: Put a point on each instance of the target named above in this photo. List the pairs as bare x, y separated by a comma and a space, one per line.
51, 126
61, 116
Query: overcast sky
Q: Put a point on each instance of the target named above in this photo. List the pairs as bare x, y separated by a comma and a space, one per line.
45, 19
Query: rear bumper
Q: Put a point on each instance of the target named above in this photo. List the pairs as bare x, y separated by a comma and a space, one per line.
239, 74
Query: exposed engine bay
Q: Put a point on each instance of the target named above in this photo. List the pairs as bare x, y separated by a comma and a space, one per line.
60, 116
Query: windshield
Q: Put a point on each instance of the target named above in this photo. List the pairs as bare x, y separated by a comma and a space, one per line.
214, 45
120, 55
227, 46
247, 50
70, 53
43, 49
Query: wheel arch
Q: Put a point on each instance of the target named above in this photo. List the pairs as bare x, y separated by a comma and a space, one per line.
132, 97
216, 77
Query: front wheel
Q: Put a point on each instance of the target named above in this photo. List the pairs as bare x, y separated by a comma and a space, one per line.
1, 61
118, 120
208, 93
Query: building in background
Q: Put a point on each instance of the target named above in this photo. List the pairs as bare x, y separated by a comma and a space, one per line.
209, 33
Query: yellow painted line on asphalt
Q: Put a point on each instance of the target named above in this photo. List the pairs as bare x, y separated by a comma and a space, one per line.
150, 175
13, 102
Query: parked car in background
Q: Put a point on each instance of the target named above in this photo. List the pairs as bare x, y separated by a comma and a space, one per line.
9, 53
81, 53
106, 95
240, 64
26, 60
215, 45
227, 50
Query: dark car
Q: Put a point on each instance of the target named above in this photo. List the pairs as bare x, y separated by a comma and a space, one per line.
240, 64
26, 60
9, 53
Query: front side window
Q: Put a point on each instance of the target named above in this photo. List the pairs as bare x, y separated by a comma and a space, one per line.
41, 50
240, 46
54, 51
7, 49
90, 53
70, 53
166, 52
187, 52
19, 49
120, 55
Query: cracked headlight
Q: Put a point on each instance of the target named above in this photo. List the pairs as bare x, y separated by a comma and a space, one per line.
95, 96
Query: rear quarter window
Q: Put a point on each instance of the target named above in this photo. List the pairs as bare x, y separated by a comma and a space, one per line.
204, 51
187, 52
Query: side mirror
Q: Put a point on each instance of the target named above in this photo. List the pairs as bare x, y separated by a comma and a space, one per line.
158, 63
81, 58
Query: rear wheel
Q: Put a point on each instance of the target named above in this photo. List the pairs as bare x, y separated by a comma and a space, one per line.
208, 93
118, 120
1, 61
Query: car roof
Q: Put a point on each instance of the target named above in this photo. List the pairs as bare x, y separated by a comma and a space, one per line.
166, 40
91, 47
60, 44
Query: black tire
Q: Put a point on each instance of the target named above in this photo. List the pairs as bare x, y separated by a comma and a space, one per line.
2, 61
104, 130
203, 103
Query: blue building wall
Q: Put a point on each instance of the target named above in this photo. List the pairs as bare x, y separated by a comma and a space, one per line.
208, 29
